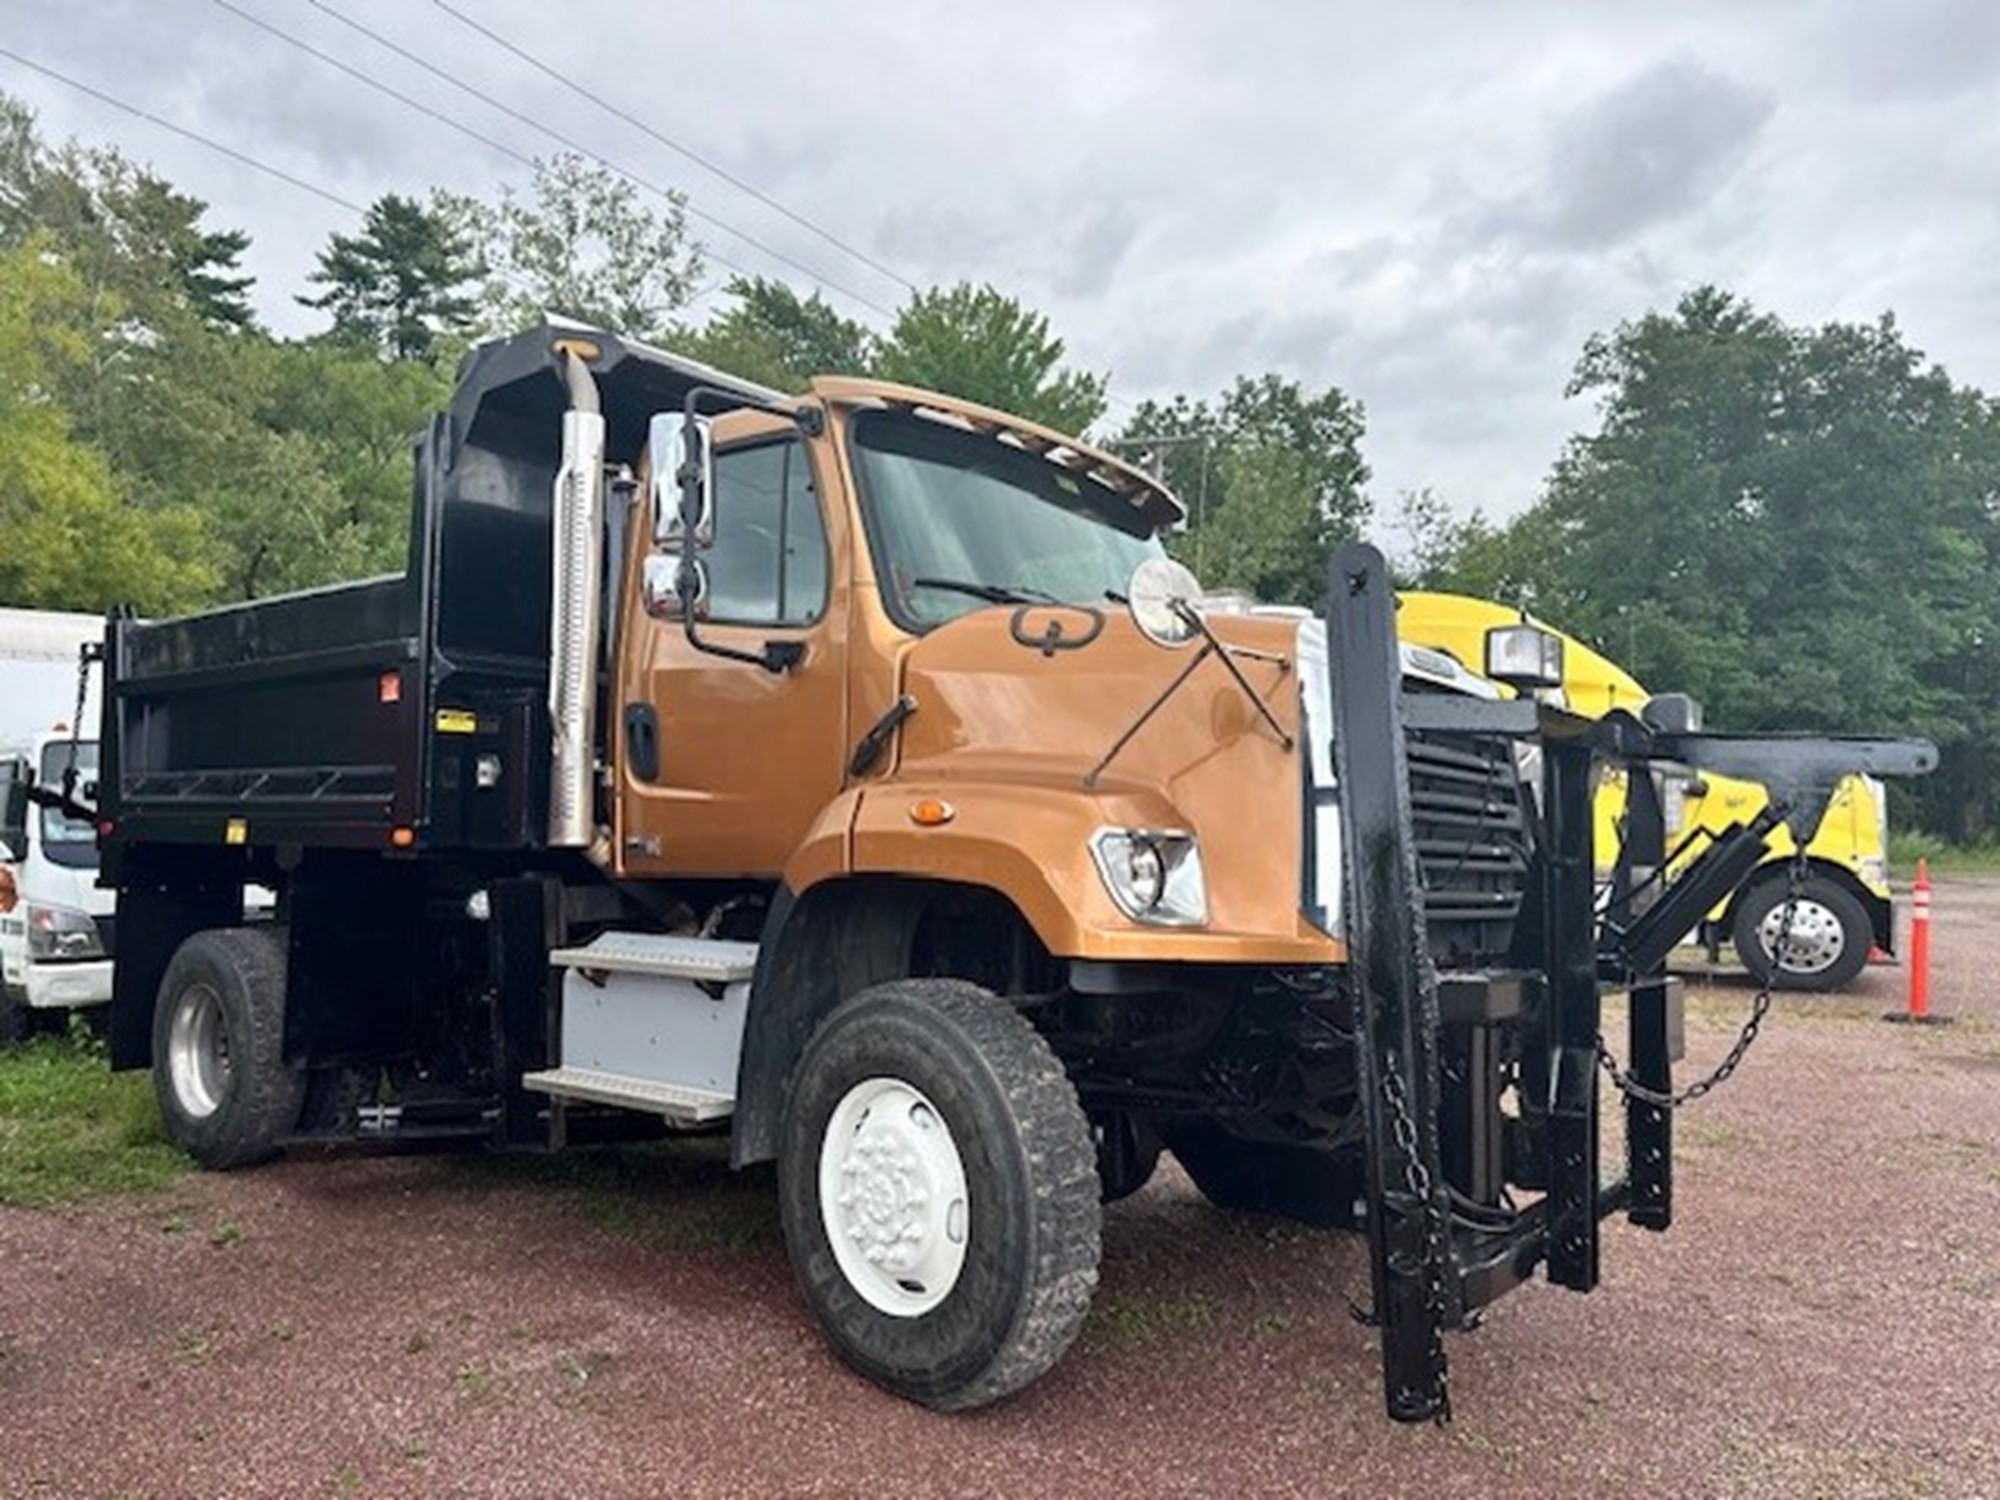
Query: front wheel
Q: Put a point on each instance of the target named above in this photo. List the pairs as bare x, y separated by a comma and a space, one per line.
939, 1192
1830, 935
227, 1096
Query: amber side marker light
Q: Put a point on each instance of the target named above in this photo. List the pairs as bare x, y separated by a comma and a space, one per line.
931, 812
402, 838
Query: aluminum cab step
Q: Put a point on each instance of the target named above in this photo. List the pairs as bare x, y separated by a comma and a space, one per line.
651, 1023
676, 1102
704, 960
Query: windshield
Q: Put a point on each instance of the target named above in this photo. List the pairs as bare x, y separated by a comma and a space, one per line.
66, 840
959, 522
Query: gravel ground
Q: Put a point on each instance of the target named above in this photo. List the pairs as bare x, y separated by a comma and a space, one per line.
1824, 1319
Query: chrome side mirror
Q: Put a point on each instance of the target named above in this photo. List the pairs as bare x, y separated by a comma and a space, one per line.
683, 478
661, 582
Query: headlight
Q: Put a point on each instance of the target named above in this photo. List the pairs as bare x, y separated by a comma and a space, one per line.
1524, 656
1153, 874
57, 932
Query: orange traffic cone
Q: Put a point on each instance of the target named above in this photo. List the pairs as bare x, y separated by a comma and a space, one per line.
1919, 1012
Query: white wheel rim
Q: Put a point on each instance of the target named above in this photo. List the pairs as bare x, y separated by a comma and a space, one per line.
198, 1052
1817, 939
892, 1197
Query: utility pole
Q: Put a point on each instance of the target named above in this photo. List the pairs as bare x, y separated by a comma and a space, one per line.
1151, 451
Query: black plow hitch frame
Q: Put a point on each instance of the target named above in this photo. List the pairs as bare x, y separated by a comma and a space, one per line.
1481, 1084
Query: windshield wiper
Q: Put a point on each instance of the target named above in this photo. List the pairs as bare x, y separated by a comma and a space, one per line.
992, 593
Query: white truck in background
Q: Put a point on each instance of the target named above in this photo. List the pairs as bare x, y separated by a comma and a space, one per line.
55, 923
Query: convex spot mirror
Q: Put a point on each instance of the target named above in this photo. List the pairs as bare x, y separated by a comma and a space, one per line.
683, 478
1161, 595
662, 583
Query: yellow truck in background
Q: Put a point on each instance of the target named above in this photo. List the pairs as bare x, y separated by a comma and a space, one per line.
1844, 909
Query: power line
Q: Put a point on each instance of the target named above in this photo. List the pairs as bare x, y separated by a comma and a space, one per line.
417, 104
574, 145
292, 180
675, 146
692, 155
181, 130
617, 112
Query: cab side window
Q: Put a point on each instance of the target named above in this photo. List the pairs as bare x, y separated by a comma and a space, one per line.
768, 563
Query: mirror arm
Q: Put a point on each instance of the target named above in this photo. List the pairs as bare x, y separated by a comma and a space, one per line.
777, 657
63, 803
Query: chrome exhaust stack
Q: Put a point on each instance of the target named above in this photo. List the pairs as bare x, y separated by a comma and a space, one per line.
575, 608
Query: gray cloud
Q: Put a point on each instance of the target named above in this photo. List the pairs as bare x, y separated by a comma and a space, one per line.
1650, 151
1431, 205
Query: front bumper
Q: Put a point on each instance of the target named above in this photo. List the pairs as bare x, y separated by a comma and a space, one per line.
57, 986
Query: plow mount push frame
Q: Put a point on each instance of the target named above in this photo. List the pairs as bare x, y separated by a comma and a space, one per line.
1444, 1237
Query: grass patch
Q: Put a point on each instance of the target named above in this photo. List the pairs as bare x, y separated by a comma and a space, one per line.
1146, 1320
1907, 847
70, 1128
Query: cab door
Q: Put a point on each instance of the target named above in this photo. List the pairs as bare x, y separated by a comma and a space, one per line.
723, 765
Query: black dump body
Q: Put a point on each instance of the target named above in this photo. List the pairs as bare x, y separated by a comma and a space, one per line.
340, 717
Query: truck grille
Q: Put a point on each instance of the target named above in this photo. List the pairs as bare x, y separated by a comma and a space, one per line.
1472, 843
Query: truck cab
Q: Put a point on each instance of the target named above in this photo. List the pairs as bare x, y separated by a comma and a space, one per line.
55, 928
55, 921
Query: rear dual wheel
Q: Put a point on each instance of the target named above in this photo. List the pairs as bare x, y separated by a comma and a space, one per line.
227, 1096
939, 1191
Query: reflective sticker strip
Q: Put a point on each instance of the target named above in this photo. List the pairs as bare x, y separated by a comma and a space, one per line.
457, 721
236, 831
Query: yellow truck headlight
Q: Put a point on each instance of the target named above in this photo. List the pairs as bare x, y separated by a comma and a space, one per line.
1153, 874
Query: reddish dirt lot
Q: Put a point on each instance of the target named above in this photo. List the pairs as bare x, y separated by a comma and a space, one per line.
1824, 1319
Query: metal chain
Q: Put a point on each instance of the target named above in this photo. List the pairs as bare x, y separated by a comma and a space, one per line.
1417, 1180
83, 658
1759, 1009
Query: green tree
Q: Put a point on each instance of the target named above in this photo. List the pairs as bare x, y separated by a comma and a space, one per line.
1266, 459
401, 285
1449, 552
1271, 541
359, 418
776, 337
580, 243
1794, 524
975, 343
126, 233
70, 543
160, 451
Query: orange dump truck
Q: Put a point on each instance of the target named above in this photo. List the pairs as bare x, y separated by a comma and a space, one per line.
852, 772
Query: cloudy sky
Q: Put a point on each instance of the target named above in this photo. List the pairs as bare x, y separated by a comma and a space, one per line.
1430, 204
